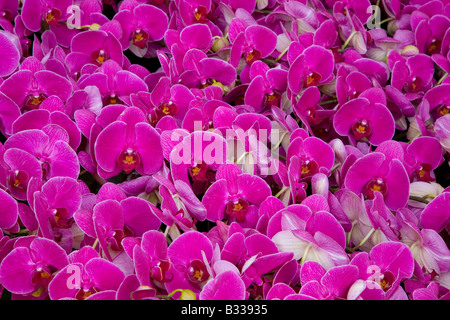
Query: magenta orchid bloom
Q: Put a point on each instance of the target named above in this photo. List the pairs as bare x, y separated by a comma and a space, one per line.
224, 150
231, 196
375, 172
365, 118
128, 144
86, 276
387, 264
31, 266
141, 25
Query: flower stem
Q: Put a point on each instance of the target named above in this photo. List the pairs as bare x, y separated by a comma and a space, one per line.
442, 79
327, 102
386, 20
305, 254
95, 243
282, 54
363, 241
347, 41
421, 199
349, 234
281, 192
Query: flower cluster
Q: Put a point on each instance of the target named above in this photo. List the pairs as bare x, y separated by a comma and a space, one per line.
223, 149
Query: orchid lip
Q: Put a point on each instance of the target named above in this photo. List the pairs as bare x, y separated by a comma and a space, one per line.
309, 167
375, 185
200, 14
99, 57
52, 16
168, 108
237, 209
197, 272
423, 172
252, 56
443, 110
361, 129
140, 38
312, 79
34, 100
6, 14
112, 99
414, 85
128, 160
84, 293
18, 179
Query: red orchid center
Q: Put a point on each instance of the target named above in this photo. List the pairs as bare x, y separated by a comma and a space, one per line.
443, 110
423, 172
200, 14
84, 293
414, 85
309, 168
312, 79
61, 218
198, 171
128, 160
154, 115
114, 239
361, 129
168, 108
140, 38
237, 209
197, 272
18, 179
355, 94
112, 99
52, 16
6, 14
386, 281
435, 47
272, 100
314, 117
99, 57
376, 184
321, 132
252, 55
42, 276
158, 272
34, 100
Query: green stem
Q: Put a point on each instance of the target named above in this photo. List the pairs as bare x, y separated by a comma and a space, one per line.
363, 241
278, 155
386, 20
349, 234
95, 243
347, 41
281, 192
282, 54
238, 161
275, 147
305, 254
337, 165
422, 199
327, 102
442, 79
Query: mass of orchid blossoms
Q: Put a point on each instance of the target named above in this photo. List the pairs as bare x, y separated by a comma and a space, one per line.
225, 149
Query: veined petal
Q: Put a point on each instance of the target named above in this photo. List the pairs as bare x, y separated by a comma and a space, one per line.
286, 241
110, 142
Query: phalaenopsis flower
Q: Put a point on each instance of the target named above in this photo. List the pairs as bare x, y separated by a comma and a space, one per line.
224, 150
